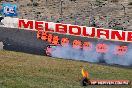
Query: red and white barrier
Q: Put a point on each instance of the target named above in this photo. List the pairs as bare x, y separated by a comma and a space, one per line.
76, 30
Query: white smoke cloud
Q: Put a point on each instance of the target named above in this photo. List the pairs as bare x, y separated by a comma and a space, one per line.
111, 58
92, 56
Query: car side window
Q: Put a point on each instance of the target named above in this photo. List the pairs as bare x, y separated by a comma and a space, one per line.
53, 47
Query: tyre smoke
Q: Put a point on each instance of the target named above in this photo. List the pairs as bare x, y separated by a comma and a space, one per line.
92, 56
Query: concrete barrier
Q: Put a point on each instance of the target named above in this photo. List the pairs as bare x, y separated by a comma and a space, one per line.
22, 40
10, 22
1, 45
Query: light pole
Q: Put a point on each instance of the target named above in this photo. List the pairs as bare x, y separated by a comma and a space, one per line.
17, 3
90, 13
124, 9
61, 13
33, 10
75, 15
46, 2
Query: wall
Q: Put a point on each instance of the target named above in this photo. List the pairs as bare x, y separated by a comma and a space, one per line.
26, 41
1, 45
21, 40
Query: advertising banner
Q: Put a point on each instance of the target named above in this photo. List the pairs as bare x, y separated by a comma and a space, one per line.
9, 10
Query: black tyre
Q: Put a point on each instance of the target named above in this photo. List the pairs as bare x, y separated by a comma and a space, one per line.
85, 82
48, 54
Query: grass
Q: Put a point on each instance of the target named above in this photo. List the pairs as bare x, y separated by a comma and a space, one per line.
20, 70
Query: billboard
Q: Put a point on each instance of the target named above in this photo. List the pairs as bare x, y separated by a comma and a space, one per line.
76, 30
9, 10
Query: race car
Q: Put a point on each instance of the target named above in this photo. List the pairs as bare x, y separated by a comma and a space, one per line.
50, 48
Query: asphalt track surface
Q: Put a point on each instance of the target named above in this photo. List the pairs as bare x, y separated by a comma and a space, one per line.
26, 41
22, 41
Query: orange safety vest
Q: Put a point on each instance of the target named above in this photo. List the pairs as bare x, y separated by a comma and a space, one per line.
77, 44
64, 41
121, 50
55, 40
39, 35
101, 48
44, 36
50, 36
87, 46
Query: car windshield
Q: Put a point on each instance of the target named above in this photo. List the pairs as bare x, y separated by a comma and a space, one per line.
53, 46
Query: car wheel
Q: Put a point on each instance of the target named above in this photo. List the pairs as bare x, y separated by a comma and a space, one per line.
85, 82
48, 54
